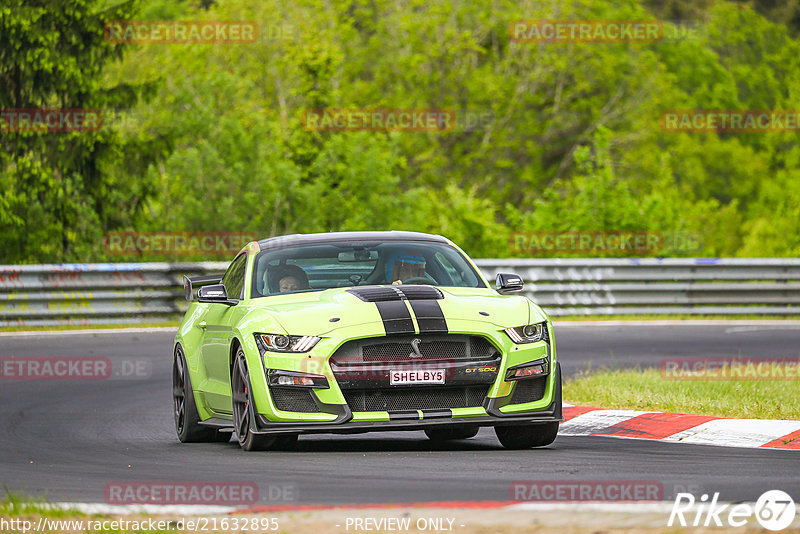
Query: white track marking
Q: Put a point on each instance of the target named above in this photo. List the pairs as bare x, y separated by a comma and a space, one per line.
591, 422
90, 331
123, 509
736, 432
583, 506
761, 328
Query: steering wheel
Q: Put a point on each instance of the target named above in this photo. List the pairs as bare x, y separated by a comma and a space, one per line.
419, 280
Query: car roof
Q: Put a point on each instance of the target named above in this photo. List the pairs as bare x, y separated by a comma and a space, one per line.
331, 237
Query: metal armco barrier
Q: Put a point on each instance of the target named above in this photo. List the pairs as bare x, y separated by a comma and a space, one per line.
657, 286
32, 295
95, 293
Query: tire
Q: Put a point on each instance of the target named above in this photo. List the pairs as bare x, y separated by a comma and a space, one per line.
526, 436
184, 408
244, 416
451, 433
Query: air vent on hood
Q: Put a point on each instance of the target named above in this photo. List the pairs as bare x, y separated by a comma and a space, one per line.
386, 293
421, 293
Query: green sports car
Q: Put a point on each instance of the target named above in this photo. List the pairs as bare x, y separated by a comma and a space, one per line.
362, 331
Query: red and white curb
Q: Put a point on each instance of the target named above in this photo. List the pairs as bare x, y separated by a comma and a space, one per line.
483, 516
681, 428
194, 510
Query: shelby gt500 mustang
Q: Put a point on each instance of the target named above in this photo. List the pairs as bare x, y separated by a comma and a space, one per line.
362, 331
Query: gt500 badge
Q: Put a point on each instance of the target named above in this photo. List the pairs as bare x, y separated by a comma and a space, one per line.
482, 370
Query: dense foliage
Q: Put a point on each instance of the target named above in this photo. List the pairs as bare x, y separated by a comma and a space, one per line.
574, 141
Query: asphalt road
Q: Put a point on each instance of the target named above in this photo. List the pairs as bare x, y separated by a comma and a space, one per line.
67, 440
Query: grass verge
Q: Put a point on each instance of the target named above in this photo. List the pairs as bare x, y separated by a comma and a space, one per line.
647, 390
13, 505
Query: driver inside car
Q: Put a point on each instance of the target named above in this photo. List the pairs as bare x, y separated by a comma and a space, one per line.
289, 277
405, 267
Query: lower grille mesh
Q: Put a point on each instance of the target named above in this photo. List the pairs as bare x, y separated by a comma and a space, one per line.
293, 400
529, 390
428, 398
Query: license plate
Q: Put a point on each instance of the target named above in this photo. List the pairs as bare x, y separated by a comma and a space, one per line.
428, 376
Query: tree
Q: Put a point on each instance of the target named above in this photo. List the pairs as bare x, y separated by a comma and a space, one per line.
63, 189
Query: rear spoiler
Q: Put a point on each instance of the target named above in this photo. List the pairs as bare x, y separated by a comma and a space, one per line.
198, 281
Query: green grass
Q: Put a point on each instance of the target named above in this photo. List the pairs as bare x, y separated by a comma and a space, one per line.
647, 390
14, 505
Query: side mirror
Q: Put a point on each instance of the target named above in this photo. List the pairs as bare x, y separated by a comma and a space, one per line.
508, 282
215, 294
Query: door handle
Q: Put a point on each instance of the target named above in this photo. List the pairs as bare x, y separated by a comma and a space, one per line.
202, 324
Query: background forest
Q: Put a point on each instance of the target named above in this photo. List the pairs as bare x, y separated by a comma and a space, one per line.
208, 137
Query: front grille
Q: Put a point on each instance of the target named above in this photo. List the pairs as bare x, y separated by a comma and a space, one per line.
424, 398
293, 399
400, 348
434, 350
529, 390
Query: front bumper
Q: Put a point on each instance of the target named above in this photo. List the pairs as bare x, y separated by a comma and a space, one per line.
360, 397
418, 419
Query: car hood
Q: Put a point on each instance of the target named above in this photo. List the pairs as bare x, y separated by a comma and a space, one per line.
321, 312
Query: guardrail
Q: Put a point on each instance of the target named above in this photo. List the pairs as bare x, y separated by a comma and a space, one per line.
94, 293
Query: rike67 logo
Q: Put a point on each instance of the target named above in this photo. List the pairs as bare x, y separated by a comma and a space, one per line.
774, 510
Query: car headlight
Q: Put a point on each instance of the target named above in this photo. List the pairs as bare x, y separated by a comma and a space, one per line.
528, 334
285, 343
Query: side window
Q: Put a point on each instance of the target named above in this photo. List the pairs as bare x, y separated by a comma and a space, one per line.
233, 280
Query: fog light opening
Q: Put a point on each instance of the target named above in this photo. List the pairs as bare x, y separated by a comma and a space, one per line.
528, 370
293, 379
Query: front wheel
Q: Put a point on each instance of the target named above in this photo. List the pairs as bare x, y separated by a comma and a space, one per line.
187, 420
244, 413
526, 436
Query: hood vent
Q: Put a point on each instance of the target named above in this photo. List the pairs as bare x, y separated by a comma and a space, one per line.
387, 293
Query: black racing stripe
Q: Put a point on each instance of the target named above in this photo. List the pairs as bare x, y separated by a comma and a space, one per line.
429, 316
397, 415
396, 317
437, 414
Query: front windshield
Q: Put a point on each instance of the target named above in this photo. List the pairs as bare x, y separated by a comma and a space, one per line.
316, 267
